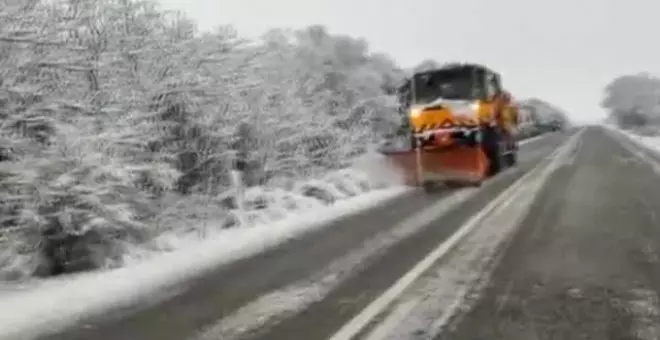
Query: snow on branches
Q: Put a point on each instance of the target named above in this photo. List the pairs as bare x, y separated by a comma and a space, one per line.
633, 101
114, 111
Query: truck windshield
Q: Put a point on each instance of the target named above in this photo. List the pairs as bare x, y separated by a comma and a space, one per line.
446, 84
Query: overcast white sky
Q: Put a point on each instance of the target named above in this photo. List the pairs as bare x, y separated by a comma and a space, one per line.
563, 51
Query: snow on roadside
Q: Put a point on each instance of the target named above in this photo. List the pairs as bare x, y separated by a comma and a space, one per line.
295, 297
28, 309
263, 206
647, 138
650, 141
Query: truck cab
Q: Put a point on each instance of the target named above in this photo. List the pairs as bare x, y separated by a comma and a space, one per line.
457, 97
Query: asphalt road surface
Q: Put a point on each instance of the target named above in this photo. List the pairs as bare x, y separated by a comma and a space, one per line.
584, 264
580, 263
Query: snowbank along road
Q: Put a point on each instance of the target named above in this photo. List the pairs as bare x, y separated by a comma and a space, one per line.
563, 246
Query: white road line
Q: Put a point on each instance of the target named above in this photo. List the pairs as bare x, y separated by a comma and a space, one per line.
393, 319
572, 155
520, 204
360, 321
448, 279
279, 304
466, 270
286, 301
534, 139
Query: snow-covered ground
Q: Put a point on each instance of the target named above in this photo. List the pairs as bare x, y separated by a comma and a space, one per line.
430, 296
652, 142
648, 137
50, 304
153, 273
286, 301
369, 177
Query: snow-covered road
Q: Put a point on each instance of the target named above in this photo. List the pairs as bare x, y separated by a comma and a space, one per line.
263, 275
565, 245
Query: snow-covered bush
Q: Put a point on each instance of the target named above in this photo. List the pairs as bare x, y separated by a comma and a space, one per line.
118, 122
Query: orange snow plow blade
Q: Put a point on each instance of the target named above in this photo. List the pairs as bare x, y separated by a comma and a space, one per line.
456, 164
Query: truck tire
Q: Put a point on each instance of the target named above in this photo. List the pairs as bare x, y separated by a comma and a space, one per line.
511, 158
490, 143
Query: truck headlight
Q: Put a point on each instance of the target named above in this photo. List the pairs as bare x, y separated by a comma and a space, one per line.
414, 113
475, 106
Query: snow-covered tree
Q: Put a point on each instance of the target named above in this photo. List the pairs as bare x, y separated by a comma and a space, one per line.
633, 100
114, 112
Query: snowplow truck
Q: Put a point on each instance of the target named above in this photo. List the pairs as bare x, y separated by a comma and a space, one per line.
460, 126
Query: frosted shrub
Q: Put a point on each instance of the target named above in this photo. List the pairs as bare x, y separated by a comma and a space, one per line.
118, 127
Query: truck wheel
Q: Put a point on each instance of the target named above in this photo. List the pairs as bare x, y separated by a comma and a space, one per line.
431, 187
474, 184
511, 158
490, 142
413, 141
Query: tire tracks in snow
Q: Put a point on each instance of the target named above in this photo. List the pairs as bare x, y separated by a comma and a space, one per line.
283, 303
423, 306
